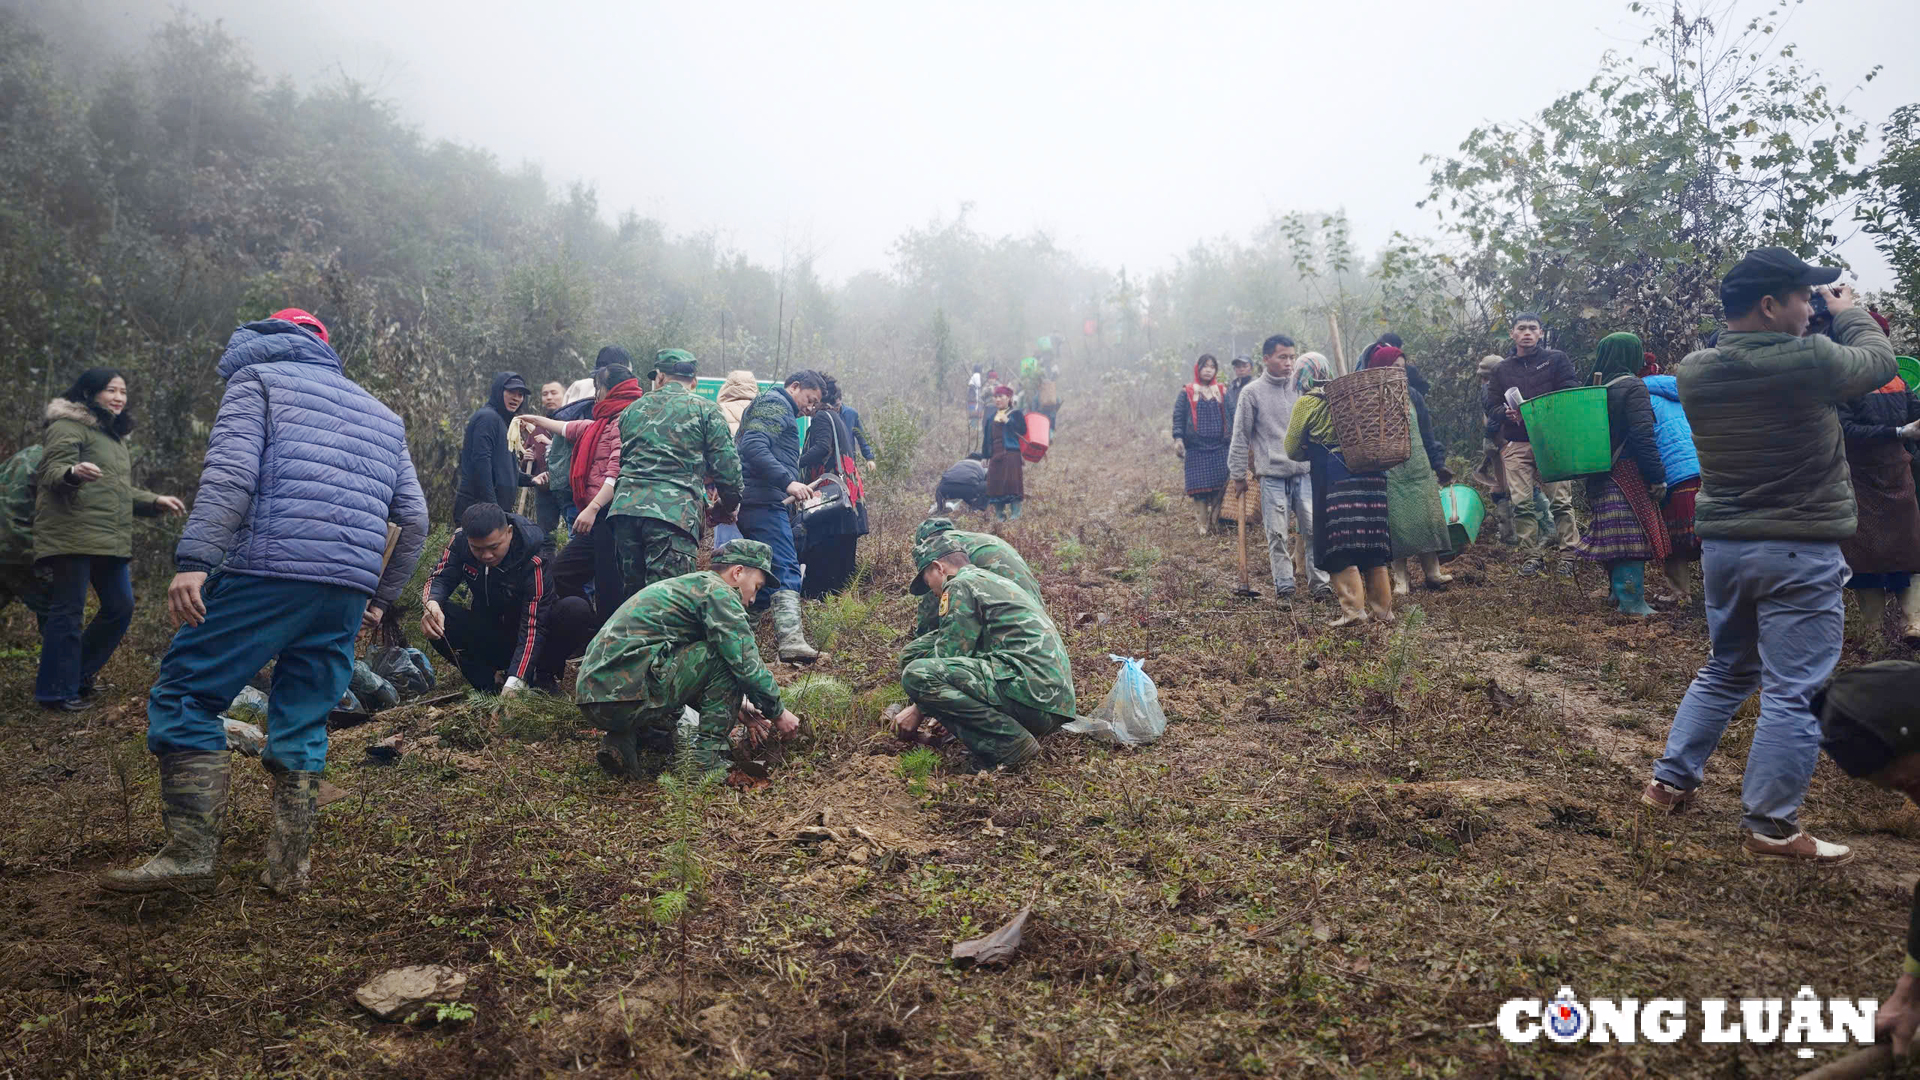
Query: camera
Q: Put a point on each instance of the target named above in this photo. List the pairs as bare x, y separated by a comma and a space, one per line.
1822, 321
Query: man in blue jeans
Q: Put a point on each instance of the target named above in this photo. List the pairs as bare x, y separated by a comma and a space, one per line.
1775, 501
279, 560
769, 445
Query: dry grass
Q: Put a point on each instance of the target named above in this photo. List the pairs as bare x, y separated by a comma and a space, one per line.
1304, 878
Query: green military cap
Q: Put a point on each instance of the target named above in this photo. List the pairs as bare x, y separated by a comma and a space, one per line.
924, 554
931, 526
745, 553
676, 362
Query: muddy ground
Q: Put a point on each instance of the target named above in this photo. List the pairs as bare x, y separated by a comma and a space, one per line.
1318, 872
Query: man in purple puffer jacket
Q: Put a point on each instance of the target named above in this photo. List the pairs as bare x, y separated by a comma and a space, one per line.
280, 561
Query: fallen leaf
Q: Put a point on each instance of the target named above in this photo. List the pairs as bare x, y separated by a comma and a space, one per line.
996, 947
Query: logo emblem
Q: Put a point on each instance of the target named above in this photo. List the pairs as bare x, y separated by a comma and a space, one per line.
1566, 1020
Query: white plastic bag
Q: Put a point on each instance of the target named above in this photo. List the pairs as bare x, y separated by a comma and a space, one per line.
1131, 712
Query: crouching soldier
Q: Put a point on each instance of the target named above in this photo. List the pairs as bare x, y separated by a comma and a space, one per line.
984, 550
513, 624
679, 642
995, 673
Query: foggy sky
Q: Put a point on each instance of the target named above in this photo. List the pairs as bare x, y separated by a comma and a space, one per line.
1126, 131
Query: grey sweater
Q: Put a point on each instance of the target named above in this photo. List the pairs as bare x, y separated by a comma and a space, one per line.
1260, 429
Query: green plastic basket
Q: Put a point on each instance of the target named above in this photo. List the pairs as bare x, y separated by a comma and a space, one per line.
1909, 371
1465, 512
1569, 432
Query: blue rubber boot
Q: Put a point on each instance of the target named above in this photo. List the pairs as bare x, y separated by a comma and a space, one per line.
1629, 587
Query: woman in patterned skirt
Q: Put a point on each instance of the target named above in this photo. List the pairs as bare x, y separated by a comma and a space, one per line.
1627, 529
1000, 436
1674, 434
1884, 552
1202, 428
1351, 541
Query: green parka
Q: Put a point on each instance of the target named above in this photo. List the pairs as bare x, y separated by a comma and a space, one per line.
1773, 461
85, 519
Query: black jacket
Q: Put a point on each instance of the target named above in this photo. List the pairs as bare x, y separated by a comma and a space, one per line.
519, 591
769, 446
1183, 431
1544, 372
488, 473
1879, 414
820, 454
1630, 423
1016, 424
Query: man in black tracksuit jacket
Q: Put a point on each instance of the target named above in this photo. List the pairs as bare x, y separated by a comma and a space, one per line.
488, 472
513, 622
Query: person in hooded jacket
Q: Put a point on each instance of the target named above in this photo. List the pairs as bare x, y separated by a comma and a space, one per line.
83, 534
514, 622
736, 396
578, 405
1681, 462
285, 558
593, 471
489, 471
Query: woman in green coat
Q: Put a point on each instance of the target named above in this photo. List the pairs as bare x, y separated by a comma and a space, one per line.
83, 534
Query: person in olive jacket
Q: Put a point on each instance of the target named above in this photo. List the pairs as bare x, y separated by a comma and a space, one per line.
83, 534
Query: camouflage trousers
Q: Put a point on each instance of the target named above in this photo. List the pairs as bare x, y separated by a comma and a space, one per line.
23, 584
651, 550
963, 695
691, 675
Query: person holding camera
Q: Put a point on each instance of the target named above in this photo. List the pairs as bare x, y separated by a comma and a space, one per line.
1775, 504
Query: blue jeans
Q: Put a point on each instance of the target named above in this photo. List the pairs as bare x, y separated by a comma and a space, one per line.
723, 533
1775, 615
69, 657
306, 628
1278, 494
771, 526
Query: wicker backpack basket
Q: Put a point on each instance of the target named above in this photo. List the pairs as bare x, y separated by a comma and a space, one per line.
1369, 413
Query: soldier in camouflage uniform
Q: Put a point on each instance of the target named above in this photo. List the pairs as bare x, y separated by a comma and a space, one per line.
679, 642
986, 551
995, 673
671, 443
18, 581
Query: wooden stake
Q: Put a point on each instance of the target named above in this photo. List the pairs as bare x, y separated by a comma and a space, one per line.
1339, 353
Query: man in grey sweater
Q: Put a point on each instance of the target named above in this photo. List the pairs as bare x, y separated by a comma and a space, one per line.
1259, 439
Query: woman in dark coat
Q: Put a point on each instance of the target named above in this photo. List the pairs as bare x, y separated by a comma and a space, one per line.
1000, 448
1202, 428
1885, 551
1351, 539
830, 548
1627, 527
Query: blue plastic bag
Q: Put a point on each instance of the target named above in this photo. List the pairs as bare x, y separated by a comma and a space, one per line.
1130, 714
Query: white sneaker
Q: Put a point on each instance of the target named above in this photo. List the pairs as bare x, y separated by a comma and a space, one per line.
1800, 847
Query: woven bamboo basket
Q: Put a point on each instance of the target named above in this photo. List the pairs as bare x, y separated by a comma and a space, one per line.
1369, 413
1231, 508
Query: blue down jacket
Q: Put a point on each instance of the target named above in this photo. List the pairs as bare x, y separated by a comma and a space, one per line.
1671, 431
303, 471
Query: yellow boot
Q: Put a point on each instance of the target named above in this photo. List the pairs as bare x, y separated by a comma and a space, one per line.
1430, 566
1352, 595
1380, 594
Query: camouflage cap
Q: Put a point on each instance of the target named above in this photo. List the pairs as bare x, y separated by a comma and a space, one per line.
924, 554
677, 362
745, 553
931, 526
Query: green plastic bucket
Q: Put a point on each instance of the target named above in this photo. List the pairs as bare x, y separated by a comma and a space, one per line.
1569, 432
1909, 371
1465, 512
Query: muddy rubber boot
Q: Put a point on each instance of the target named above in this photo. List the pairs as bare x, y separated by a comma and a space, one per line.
294, 808
1629, 587
1380, 595
1873, 610
1397, 572
1503, 520
1910, 608
1430, 566
619, 754
1680, 580
788, 631
193, 799
1352, 595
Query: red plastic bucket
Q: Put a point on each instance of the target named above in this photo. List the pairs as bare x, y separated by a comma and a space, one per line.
1033, 445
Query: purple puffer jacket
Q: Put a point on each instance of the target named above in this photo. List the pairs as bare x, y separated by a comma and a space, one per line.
304, 469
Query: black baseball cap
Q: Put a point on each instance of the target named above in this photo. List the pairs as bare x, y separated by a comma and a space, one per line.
1765, 272
1243, 360
514, 382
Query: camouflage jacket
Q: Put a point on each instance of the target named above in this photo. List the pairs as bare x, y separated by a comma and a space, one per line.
671, 443
666, 616
989, 553
18, 490
987, 617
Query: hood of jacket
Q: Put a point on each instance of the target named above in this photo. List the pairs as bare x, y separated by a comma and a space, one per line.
740, 386
275, 341
62, 409
1663, 386
497, 394
574, 410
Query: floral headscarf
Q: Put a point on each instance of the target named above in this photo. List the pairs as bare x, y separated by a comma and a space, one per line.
1309, 372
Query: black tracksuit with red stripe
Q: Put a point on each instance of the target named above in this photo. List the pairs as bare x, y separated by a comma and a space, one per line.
513, 623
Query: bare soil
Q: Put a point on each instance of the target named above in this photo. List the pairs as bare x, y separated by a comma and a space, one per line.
1315, 873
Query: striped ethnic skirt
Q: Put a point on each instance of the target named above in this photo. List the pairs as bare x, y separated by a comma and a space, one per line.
1349, 515
1677, 512
1626, 526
